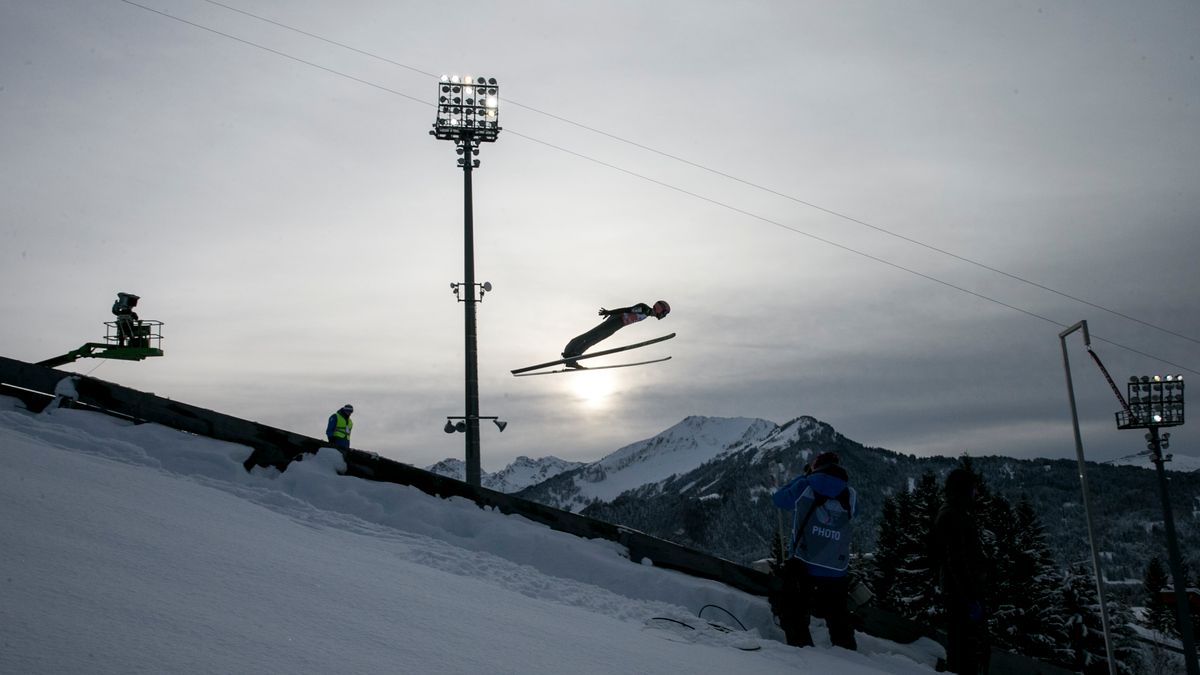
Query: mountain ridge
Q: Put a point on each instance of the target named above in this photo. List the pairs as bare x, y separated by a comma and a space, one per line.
705, 482
523, 472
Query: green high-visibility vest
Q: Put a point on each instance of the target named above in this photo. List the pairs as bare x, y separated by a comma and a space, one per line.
343, 426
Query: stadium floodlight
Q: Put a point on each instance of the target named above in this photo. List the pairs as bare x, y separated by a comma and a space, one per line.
468, 113
1156, 402
468, 110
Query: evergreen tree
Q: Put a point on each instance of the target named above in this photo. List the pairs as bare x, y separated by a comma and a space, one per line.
1171, 604
1159, 616
999, 537
1125, 645
903, 504
1195, 588
1037, 626
913, 589
1084, 649
1186, 574
887, 556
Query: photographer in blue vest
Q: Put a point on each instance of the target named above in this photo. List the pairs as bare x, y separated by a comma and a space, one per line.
339, 427
823, 507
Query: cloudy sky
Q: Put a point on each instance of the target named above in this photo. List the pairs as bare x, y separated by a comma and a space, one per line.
878, 214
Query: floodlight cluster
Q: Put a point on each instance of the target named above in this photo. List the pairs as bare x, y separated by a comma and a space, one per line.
468, 108
1154, 400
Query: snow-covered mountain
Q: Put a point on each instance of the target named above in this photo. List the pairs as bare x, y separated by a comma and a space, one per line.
645, 465
702, 483
522, 473
679, 450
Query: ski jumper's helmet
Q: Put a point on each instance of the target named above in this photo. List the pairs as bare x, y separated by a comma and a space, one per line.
661, 309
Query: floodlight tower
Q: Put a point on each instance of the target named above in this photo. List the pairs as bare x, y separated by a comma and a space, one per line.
468, 114
1156, 402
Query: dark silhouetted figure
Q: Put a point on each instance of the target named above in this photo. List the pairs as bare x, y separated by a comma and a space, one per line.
962, 573
614, 320
126, 317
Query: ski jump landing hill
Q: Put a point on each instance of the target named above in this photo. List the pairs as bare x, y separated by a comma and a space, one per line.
38, 386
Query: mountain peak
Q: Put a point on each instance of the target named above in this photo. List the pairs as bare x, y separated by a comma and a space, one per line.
681, 448
520, 474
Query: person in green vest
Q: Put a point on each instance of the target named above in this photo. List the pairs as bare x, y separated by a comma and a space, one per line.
339, 427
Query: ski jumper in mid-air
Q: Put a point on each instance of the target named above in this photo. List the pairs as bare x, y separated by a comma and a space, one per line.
614, 320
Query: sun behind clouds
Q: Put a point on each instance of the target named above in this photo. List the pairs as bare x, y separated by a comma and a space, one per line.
593, 389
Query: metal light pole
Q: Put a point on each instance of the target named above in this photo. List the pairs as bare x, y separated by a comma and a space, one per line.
468, 114
1083, 482
1156, 402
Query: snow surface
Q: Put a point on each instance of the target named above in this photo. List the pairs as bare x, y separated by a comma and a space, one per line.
135, 548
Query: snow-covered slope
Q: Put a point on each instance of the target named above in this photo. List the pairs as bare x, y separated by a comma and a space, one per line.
141, 549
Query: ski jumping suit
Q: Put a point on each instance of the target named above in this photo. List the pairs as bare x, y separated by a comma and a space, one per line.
615, 319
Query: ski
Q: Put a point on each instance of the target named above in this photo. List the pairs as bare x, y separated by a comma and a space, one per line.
571, 370
614, 350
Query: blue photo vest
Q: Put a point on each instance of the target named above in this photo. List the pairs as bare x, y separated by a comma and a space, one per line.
823, 535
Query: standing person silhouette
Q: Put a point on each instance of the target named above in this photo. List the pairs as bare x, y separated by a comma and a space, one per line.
339, 427
962, 573
823, 507
126, 317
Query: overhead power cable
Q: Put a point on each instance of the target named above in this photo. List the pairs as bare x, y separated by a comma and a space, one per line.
722, 174
326, 40
278, 53
687, 192
835, 244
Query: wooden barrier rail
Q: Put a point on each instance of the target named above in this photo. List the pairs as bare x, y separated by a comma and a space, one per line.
277, 447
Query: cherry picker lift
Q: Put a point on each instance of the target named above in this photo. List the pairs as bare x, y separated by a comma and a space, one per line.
127, 337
